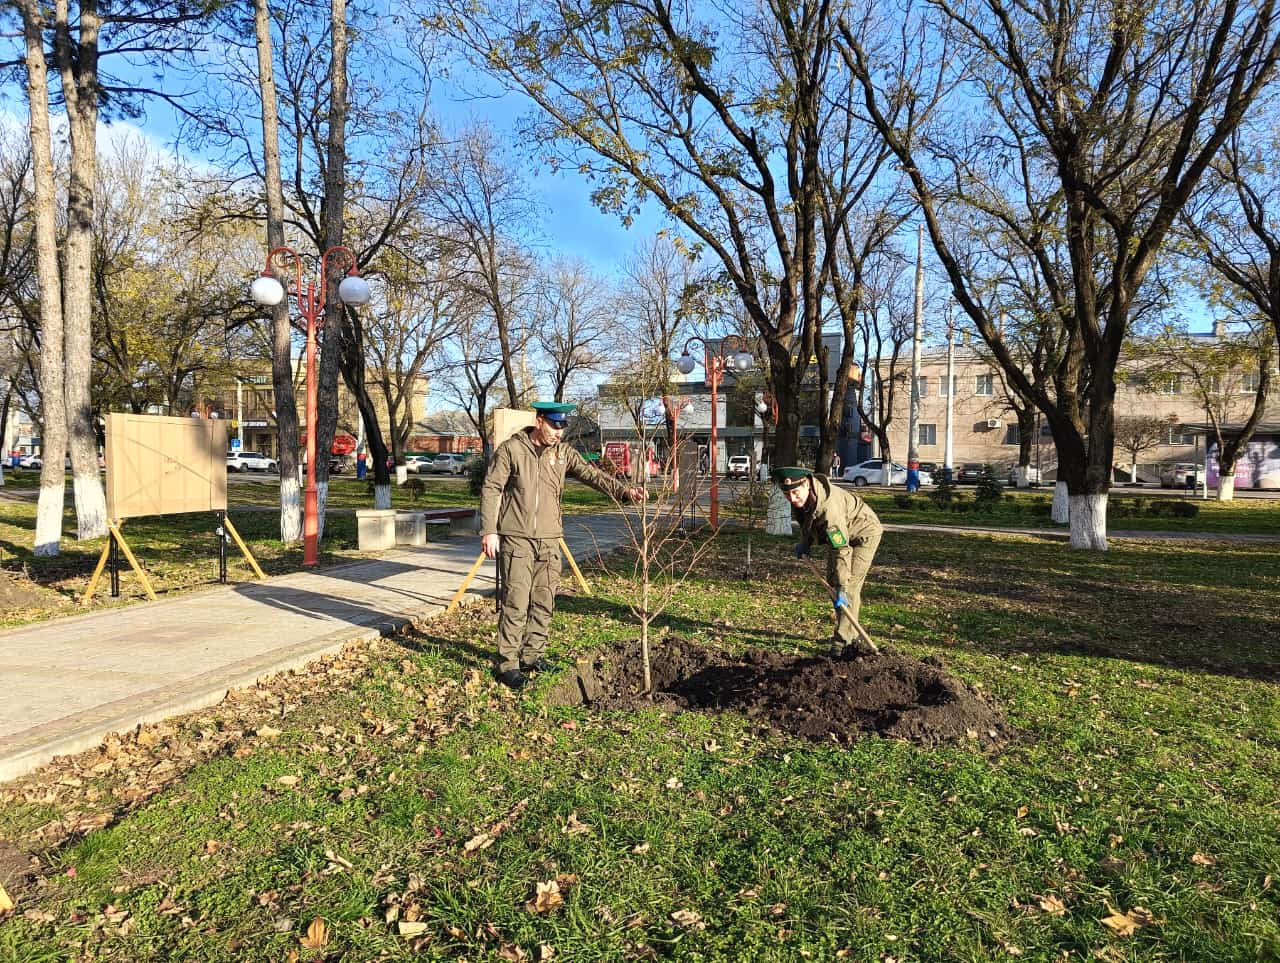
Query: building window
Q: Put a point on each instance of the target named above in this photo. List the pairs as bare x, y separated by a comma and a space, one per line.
984, 385
1249, 382
928, 435
1011, 434
1178, 437
1172, 385
922, 387
942, 385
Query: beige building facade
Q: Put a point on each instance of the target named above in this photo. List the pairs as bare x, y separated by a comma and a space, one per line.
984, 428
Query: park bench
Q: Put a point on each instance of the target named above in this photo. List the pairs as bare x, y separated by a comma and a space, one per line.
461, 521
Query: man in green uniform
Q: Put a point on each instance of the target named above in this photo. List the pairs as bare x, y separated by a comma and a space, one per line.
520, 526
851, 531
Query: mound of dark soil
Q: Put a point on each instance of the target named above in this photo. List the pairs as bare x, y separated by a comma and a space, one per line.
888, 694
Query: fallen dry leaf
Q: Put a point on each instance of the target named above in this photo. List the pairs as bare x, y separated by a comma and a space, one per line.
6, 901
317, 935
545, 952
289, 781
411, 928
1052, 905
1201, 859
547, 898
509, 951
1126, 924
688, 919
477, 842
640, 848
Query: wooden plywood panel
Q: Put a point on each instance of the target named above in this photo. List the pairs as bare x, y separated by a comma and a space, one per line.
159, 465
507, 421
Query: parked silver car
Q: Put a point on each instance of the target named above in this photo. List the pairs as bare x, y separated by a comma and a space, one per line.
1181, 475
450, 463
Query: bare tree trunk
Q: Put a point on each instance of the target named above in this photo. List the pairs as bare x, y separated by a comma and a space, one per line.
79, 71
53, 433
1061, 507
281, 334
335, 186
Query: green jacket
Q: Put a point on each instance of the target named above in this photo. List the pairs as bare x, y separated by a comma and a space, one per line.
840, 519
522, 489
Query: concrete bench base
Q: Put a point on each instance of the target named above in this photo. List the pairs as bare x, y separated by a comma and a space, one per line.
411, 528
375, 529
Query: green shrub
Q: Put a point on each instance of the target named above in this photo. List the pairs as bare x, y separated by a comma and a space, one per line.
477, 468
944, 489
1041, 507
905, 501
1173, 508
989, 491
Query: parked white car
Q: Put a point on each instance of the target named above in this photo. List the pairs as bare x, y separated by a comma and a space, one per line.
31, 461
418, 464
450, 463
249, 461
872, 473
1176, 476
739, 466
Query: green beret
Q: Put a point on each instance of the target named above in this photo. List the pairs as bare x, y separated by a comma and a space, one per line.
789, 478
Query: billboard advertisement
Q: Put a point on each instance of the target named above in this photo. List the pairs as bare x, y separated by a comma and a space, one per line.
1257, 467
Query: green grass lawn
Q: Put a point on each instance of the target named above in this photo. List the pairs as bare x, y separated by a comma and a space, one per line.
414, 808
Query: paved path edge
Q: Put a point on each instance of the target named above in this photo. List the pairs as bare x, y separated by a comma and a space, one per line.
36, 747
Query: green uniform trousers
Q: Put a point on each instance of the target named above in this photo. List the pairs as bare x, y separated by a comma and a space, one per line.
861, 558
530, 571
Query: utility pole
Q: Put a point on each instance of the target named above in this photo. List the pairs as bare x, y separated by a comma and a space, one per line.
948, 452
913, 421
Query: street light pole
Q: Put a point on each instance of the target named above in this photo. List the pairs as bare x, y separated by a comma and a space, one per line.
714, 365
268, 291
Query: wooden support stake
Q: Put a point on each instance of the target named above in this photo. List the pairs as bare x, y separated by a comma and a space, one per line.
253, 562
586, 589
466, 582
97, 574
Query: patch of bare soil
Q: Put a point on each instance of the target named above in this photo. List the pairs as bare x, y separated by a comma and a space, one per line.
18, 593
889, 694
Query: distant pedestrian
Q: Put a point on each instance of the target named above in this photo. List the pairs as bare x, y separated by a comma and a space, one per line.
852, 533
521, 525
835, 466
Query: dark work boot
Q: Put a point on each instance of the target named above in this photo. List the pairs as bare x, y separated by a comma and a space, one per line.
513, 679
540, 664
838, 650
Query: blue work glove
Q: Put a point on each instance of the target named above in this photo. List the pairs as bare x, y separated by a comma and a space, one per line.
841, 602
801, 550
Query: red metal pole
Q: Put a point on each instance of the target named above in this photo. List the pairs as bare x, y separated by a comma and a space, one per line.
311, 500
713, 366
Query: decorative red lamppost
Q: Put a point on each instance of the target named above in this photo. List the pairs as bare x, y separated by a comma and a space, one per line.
714, 364
269, 292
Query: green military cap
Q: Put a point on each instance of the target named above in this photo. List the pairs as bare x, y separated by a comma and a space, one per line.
789, 478
556, 412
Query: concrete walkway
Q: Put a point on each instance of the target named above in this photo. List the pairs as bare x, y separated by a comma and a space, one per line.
69, 682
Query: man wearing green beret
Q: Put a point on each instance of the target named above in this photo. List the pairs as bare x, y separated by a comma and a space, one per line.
521, 526
851, 531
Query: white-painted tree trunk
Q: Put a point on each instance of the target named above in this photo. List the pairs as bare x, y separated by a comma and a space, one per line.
91, 506
290, 510
1133, 472
381, 496
778, 515
322, 502
1061, 512
1089, 522
1227, 487
1, 476
49, 518
1020, 479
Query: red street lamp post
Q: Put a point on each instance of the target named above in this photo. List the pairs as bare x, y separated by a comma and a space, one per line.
268, 291
714, 365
